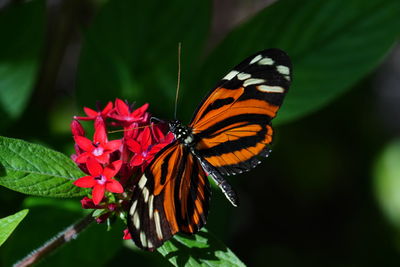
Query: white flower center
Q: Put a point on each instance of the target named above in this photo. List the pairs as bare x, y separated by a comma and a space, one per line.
101, 179
98, 151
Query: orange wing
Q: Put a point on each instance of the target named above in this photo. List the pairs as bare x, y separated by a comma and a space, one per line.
233, 124
172, 196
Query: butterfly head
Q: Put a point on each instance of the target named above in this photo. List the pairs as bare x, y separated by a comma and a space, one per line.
182, 133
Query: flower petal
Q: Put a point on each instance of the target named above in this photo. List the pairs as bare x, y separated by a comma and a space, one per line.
137, 160
112, 169
145, 139
131, 131
85, 182
140, 111
94, 167
154, 149
169, 138
84, 143
127, 235
77, 129
87, 203
103, 159
114, 186
100, 134
122, 107
98, 193
113, 145
90, 112
134, 146
107, 109
82, 158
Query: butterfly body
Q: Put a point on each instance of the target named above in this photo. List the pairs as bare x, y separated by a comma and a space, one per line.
182, 133
229, 133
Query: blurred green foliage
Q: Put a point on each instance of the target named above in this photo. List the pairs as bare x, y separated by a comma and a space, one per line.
387, 182
312, 203
9, 223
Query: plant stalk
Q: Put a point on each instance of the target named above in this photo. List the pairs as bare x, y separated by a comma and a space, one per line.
57, 241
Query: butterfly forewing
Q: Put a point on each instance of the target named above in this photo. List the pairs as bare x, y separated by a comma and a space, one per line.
233, 122
172, 196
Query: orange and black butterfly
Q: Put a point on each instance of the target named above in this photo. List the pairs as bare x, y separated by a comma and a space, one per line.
228, 134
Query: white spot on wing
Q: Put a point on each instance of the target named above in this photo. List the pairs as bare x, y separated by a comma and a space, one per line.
270, 89
266, 61
230, 75
145, 194
133, 208
282, 70
158, 225
243, 76
255, 59
143, 239
151, 206
253, 81
142, 181
149, 244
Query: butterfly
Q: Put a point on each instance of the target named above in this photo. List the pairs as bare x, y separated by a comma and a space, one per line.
229, 133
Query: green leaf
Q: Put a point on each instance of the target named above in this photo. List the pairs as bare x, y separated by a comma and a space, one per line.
201, 249
22, 31
387, 182
333, 44
137, 58
36, 170
9, 223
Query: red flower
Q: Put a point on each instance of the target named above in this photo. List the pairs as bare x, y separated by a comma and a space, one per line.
87, 203
100, 148
77, 129
127, 235
159, 136
145, 148
92, 114
126, 117
142, 149
100, 179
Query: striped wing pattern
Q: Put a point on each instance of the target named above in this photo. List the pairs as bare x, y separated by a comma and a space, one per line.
233, 124
231, 130
172, 196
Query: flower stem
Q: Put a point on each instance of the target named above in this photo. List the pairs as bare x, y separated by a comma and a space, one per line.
57, 241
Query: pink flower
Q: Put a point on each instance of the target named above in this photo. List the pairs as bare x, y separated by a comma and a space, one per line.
124, 114
100, 148
92, 114
100, 179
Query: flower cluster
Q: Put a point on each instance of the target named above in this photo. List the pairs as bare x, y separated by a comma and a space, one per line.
113, 159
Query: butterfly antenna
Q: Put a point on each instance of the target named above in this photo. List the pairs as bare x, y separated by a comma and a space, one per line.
179, 78
131, 129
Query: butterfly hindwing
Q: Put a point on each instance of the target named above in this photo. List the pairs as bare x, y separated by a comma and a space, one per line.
172, 196
232, 125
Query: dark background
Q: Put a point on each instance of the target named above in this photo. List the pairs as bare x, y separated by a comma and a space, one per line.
329, 194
